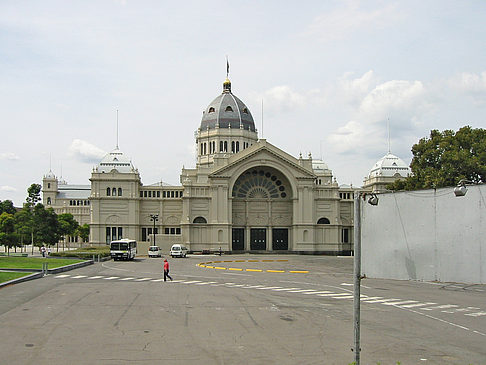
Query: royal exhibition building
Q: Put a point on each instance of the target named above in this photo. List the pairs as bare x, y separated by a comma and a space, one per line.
244, 194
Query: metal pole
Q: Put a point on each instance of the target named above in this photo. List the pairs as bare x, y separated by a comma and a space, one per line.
357, 275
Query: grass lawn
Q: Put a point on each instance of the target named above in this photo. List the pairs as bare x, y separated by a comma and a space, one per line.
6, 276
33, 262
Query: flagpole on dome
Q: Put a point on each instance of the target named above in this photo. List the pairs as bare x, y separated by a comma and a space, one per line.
227, 67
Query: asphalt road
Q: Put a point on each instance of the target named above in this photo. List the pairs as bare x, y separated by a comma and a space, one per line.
231, 313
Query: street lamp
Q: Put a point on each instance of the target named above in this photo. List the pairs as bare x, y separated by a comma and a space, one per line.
155, 218
373, 200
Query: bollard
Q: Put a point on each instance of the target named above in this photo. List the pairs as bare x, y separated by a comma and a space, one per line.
99, 258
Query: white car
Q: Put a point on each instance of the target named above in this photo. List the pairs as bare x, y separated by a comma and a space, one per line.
178, 251
154, 251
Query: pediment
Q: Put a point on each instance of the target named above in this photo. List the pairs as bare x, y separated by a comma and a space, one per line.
263, 154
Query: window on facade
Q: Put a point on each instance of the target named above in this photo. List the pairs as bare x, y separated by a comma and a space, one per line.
229, 109
233, 146
49, 201
245, 111
237, 146
180, 195
167, 231
220, 146
345, 235
225, 146
211, 110
144, 234
149, 194
119, 191
141, 194
178, 230
108, 191
158, 194
145, 194
323, 220
163, 194
200, 220
48, 185
113, 191
172, 194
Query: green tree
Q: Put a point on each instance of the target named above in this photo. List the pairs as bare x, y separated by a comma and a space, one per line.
23, 224
7, 229
7, 207
46, 226
445, 158
33, 194
83, 232
67, 224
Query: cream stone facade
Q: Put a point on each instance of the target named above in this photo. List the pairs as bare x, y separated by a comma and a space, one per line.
244, 195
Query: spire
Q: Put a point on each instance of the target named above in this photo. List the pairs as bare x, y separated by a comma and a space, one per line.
227, 82
117, 129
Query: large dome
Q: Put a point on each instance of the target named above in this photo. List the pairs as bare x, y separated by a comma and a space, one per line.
115, 160
390, 165
227, 111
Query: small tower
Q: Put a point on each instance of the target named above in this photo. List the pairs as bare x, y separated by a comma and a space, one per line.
49, 189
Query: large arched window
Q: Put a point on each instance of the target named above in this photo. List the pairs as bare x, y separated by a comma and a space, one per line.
323, 220
260, 184
200, 220
113, 191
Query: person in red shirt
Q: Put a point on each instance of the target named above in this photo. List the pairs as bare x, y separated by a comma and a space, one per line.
166, 270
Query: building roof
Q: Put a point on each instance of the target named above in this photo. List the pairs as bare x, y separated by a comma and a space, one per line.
66, 191
227, 111
319, 166
115, 160
390, 165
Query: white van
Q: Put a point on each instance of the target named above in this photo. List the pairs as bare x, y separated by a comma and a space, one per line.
154, 251
178, 251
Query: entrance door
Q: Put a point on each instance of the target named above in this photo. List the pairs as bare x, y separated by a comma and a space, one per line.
258, 239
238, 237
280, 239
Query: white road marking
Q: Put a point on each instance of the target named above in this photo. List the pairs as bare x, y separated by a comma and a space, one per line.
417, 305
364, 298
62, 276
477, 314
125, 279
112, 277
285, 289
269, 287
402, 302
96, 277
78, 277
252, 286
346, 284
445, 306
302, 291
382, 300
319, 292
191, 282
143, 279
156, 280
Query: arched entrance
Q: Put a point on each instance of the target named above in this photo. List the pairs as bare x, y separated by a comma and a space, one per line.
261, 210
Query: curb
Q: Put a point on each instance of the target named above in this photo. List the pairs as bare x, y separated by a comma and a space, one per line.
37, 273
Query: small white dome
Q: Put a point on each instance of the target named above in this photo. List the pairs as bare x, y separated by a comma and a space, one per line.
390, 165
115, 160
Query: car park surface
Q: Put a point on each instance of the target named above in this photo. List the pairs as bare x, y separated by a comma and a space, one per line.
123, 312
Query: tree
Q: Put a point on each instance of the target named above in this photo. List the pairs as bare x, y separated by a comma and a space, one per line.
83, 232
445, 158
67, 224
23, 224
7, 228
46, 225
33, 196
7, 207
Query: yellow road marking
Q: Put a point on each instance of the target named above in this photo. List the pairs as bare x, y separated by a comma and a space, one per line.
300, 272
220, 268
275, 270
235, 269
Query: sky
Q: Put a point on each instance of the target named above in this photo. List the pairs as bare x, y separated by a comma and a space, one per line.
343, 80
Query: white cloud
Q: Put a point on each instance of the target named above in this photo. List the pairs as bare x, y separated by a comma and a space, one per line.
7, 188
354, 90
396, 98
11, 156
85, 151
470, 84
342, 22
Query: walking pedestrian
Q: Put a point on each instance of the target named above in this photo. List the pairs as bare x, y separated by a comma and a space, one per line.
166, 270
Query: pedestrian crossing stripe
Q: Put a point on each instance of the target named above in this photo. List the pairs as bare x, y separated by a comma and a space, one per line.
399, 303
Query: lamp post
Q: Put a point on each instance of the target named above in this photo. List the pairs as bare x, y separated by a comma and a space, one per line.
373, 200
155, 218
